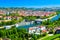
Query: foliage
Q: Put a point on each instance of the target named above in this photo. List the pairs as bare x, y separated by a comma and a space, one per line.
18, 34
30, 18
52, 37
14, 33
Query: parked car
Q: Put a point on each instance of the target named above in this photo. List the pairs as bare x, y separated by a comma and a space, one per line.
57, 31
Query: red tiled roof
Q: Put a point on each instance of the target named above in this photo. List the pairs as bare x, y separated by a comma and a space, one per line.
44, 30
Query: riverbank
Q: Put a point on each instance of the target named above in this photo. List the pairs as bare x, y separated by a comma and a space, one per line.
52, 17
24, 24
46, 18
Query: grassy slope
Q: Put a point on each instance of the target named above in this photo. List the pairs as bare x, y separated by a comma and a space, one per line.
51, 37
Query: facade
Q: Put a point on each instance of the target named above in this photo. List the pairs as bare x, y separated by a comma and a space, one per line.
37, 30
35, 13
28, 12
7, 27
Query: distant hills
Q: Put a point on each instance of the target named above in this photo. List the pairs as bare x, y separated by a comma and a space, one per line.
34, 9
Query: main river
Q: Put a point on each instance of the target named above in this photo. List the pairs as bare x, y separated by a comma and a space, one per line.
32, 25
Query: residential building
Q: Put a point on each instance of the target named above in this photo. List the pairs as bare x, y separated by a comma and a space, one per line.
37, 30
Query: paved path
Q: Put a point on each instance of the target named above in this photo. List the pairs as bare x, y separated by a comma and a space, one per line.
45, 36
52, 17
47, 18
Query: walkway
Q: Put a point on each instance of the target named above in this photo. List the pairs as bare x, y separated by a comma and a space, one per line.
52, 17
46, 18
45, 36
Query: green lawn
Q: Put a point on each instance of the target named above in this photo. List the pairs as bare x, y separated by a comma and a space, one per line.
43, 37
52, 37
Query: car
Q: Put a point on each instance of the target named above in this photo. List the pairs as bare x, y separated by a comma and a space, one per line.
57, 31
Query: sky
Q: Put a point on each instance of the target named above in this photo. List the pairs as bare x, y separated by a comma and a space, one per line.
29, 3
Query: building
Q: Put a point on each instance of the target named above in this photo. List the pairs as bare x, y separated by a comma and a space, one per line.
7, 27
37, 30
35, 13
8, 17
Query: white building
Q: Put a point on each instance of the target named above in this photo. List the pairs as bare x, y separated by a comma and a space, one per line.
7, 27
36, 30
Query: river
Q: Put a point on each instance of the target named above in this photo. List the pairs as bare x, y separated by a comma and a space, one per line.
32, 25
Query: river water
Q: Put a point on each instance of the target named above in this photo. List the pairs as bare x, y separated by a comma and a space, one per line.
55, 18
32, 25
